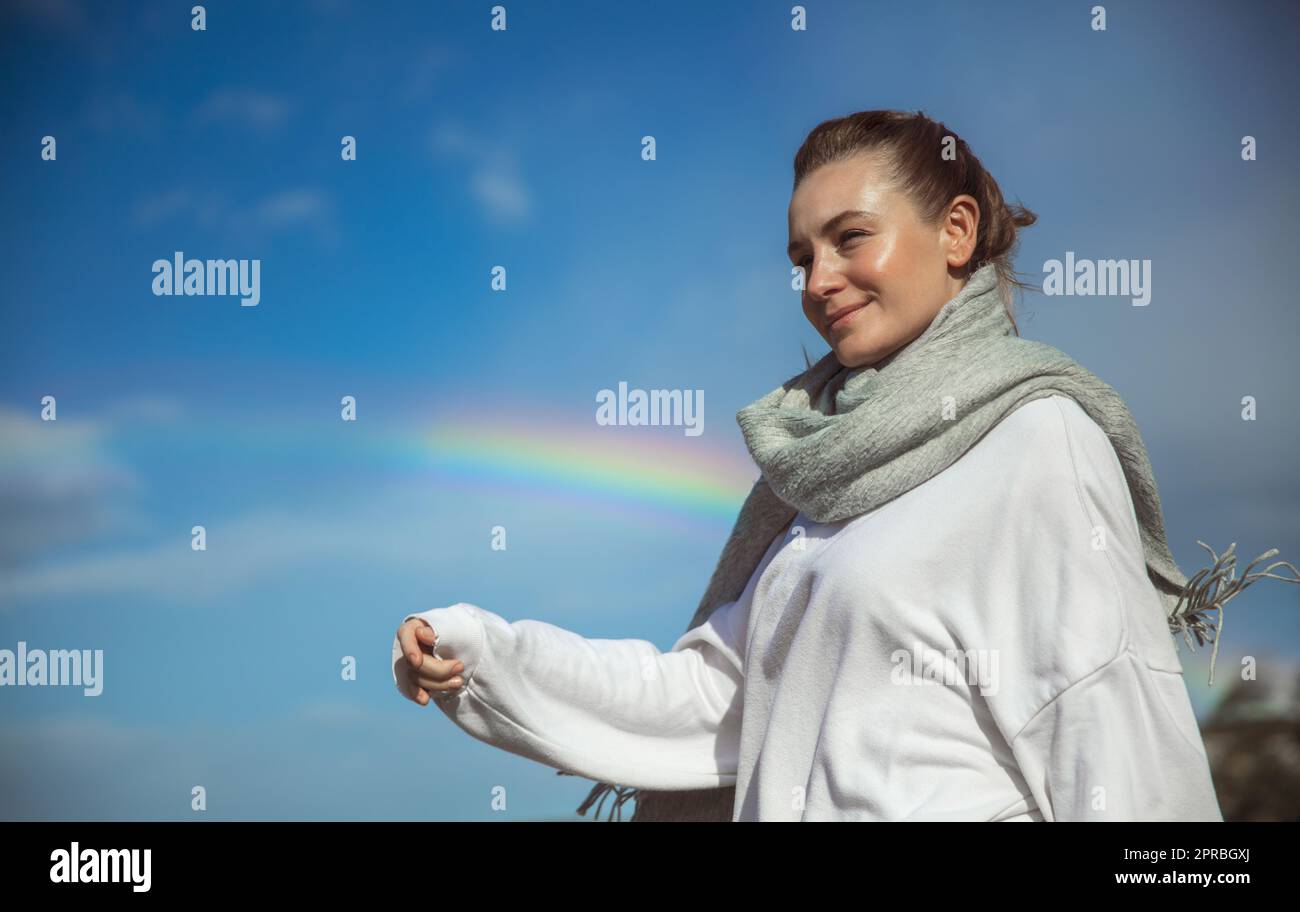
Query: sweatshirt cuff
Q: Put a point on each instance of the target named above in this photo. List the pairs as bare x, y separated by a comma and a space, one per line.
458, 634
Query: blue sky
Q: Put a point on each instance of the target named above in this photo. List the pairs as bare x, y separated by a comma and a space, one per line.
522, 148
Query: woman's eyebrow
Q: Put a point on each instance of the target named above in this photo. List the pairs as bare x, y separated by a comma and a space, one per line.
833, 223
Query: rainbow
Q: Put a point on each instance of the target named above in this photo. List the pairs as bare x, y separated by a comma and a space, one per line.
652, 475
658, 472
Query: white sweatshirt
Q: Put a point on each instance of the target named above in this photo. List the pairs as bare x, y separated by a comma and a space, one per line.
986, 646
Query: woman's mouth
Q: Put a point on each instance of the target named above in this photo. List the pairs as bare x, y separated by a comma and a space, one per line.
845, 318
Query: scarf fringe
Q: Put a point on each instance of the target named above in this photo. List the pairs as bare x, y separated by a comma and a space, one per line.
1211, 589
598, 794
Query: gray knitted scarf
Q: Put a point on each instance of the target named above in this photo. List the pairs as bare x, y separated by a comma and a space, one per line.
835, 443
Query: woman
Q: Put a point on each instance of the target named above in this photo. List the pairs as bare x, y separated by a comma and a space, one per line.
948, 596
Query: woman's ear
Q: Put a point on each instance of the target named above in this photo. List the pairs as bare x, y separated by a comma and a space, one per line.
960, 230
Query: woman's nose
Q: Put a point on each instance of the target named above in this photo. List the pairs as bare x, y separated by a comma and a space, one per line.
821, 280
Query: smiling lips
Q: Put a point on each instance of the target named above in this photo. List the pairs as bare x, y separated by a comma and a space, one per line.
841, 318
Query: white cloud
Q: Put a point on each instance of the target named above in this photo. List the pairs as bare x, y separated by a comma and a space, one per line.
424, 68
205, 208
240, 552
243, 107
161, 207
501, 193
286, 210
293, 207
144, 407
59, 485
452, 138
495, 178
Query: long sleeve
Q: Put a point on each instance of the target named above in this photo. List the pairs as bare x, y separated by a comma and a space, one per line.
1118, 746
1094, 709
612, 710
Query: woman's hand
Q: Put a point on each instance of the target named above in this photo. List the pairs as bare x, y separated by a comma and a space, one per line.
430, 674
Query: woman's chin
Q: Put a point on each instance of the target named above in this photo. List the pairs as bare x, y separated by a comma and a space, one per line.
852, 353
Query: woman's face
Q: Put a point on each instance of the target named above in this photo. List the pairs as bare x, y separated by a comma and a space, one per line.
874, 274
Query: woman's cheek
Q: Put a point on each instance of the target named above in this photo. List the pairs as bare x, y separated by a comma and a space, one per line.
878, 331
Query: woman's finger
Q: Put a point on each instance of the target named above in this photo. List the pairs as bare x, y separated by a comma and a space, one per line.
410, 644
432, 684
439, 669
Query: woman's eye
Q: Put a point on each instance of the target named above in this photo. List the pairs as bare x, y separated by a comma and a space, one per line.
855, 232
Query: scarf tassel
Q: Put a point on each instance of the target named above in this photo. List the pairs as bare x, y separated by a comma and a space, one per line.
1213, 587
598, 794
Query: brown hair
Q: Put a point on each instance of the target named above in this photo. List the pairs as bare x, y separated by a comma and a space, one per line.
912, 145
